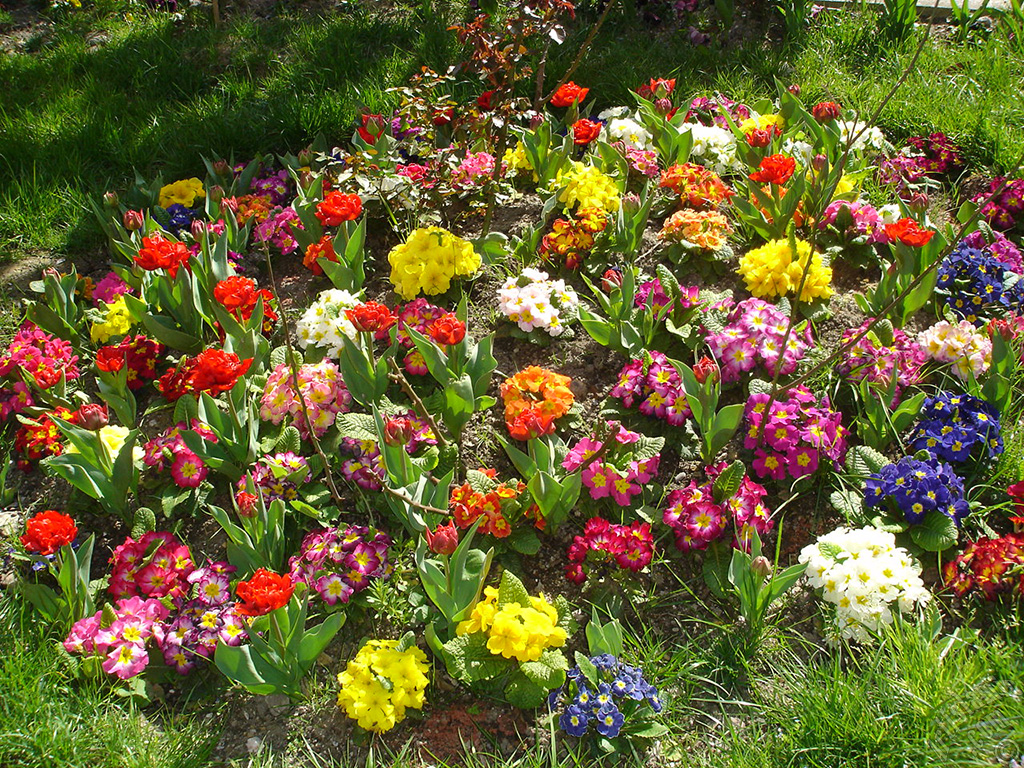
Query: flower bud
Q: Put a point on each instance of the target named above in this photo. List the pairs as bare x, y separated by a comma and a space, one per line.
630, 204
706, 368
794, 89
819, 162
305, 157
51, 272
664, 106
443, 540
198, 228
110, 200
134, 220
306, 179
611, 279
761, 566
246, 503
216, 194
536, 121
398, 431
918, 202
92, 416
221, 168
759, 138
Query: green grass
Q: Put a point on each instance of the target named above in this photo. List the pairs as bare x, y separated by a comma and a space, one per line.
47, 718
102, 94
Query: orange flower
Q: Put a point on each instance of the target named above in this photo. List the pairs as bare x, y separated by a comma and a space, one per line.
567, 94
909, 233
537, 389
324, 248
264, 592
774, 169
338, 207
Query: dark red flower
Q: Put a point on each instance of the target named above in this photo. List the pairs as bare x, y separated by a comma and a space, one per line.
657, 88
774, 169
443, 539
110, 359
447, 330
338, 207
759, 138
444, 116
398, 431
826, 111
909, 233
568, 93
483, 101
585, 131
47, 532
371, 317
371, 128
264, 592
92, 416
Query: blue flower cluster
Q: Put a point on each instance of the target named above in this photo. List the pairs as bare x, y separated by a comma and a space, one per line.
977, 285
917, 488
952, 426
181, 218
605, 701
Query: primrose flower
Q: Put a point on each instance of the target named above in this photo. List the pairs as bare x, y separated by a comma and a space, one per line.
774, 270
382, 682
584, 186
183, 192
428, 261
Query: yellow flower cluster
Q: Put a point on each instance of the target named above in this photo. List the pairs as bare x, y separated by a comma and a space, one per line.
364, 695
516, 161
774, 270
705, 229
585, 186
183, 192
515, 631
763, 123
428, 261
117, 322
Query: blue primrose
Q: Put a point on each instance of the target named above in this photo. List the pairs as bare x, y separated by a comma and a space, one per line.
609, 721
574, 721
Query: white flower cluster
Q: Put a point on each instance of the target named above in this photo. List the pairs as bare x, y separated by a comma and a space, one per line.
863, 573
968, 349
324, 324
871, 139
622, 125
533, 301
713, 147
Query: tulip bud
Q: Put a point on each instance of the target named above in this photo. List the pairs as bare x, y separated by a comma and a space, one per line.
134, 220
664, 106
246, 503
221, 168
918, 202
630, 204
443, 540
611, 279
110, 200
216, 194
198, 228
794, 89
305, 157
306, 179
51, 272
759, 138
92, 416
819, 163
536, 121
398, 431
761, 566
706, 368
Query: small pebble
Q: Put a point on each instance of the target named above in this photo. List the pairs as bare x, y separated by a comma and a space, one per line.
253, 745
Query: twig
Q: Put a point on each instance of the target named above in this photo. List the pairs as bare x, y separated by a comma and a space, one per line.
412, 502
398, 378
290, 353
583, 50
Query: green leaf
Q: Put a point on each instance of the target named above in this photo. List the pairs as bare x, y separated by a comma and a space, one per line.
848, 503
470, 660
587, 668
728, 482
716, 570
523, 693
511, 590
143, 522
935, 533
548, 671
862, 460
524, 540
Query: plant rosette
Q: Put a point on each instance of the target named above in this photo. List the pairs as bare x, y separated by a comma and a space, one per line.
618, 464
510, 644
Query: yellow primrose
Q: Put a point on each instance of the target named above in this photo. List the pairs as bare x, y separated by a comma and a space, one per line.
183, 192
